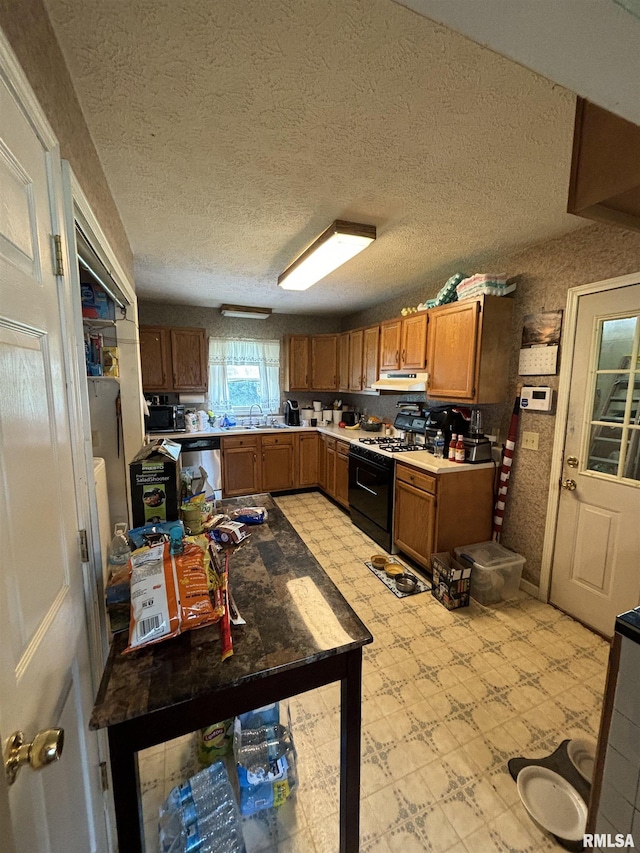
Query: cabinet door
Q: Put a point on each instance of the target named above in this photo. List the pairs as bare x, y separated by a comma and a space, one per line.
414, 342
277, 463
240, 468
356, 340
342, 474
322, 462
308, 459
324, 362
343, 357
155, 358
453, 344
390, 340
189, 359
330, 471
370, 356
414, 522
298, 363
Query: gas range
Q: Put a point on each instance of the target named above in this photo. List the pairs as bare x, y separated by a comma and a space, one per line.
392, 444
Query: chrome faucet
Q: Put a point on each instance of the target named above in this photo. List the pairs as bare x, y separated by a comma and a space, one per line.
251, 410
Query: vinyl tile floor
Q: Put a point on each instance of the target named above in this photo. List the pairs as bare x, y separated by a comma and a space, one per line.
448, 699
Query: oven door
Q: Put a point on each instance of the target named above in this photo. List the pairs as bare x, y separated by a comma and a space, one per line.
371, 489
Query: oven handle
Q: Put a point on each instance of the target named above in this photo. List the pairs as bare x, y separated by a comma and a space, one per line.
366, 488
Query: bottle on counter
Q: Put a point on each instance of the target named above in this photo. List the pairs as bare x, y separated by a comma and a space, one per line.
119, 550
459, 449
438, 445
451, 454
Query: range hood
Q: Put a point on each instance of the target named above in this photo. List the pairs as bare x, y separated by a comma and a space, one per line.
400, 382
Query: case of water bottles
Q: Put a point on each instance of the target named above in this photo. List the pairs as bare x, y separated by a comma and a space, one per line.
202, 815
265, 758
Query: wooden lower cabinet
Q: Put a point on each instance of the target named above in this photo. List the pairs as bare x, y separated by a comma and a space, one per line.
278, 468
240, 465
435, 513
330, 467
308, 459
341, 493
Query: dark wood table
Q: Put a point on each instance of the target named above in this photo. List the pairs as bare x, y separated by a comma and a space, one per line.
300, 634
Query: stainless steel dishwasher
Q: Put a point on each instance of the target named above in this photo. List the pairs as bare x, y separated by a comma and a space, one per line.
203, 452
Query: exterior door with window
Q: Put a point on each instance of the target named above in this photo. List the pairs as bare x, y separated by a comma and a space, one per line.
595, 566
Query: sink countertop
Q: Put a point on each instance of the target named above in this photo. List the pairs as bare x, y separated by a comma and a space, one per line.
422, 459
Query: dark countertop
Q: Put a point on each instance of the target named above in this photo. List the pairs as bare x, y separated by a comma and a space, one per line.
628, 624
295, 615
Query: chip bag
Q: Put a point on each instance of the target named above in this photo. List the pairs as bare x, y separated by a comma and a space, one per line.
169, 594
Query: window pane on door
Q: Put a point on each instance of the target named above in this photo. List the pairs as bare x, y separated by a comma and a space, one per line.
614, 429
617, 342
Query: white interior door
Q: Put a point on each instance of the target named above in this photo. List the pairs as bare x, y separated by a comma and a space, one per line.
595, 567
44, 671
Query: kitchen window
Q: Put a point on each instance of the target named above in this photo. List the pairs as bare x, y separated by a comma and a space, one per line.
242, 374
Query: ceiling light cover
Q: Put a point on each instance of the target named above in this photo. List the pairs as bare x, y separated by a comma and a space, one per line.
246, 312
338, 244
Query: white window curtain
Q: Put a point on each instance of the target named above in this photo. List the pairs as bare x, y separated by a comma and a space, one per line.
264, 354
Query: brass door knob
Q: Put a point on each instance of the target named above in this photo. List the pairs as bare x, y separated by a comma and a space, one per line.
45, 748
572, 461
569, 485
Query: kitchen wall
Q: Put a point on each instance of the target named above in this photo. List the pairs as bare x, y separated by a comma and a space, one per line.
273, 328
545, 272
29, 32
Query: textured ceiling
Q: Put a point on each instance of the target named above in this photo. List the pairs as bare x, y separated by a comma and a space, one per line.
233, 132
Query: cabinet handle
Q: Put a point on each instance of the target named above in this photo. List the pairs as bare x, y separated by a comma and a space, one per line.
403, 352
263, 457
397, 355
255, 457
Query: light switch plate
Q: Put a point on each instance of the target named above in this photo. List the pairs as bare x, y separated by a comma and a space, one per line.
530, 440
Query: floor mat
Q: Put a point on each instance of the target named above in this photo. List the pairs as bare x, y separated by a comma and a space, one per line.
391, 584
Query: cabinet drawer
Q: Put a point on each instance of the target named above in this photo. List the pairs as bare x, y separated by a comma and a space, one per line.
331, 443
271, 440
239, 441
416, 478
342, 447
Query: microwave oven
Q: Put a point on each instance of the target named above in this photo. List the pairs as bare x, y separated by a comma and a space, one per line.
166, 419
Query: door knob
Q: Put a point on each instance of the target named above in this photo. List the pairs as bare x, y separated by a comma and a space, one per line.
572, 461
45, 748
569, 485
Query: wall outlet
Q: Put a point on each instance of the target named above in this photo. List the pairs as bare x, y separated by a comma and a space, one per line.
530, 440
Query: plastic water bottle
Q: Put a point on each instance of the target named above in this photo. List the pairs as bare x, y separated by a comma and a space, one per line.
438, 445
119, 551
257, 748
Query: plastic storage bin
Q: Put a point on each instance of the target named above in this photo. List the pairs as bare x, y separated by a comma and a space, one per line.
496, 571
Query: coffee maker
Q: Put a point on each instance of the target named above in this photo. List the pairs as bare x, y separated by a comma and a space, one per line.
291, 413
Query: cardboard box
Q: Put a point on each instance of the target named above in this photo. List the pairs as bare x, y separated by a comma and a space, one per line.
154, 475
451, 581
96, 304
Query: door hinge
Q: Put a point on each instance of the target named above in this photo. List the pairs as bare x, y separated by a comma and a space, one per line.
57, 245
104, 776
84, 548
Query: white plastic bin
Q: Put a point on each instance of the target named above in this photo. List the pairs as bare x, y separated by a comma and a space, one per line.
496, 571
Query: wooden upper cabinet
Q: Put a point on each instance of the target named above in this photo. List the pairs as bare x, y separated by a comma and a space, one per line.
343, 362
297, 356
414, 342
390, 340
188, 359
468, 352
155, 358
370, 353
324, 363
356, 342
605, 167
173, 359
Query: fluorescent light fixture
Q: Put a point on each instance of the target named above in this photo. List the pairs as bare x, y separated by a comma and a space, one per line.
247, 312
340, 242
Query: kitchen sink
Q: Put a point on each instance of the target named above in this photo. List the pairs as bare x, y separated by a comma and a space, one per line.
238, 428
